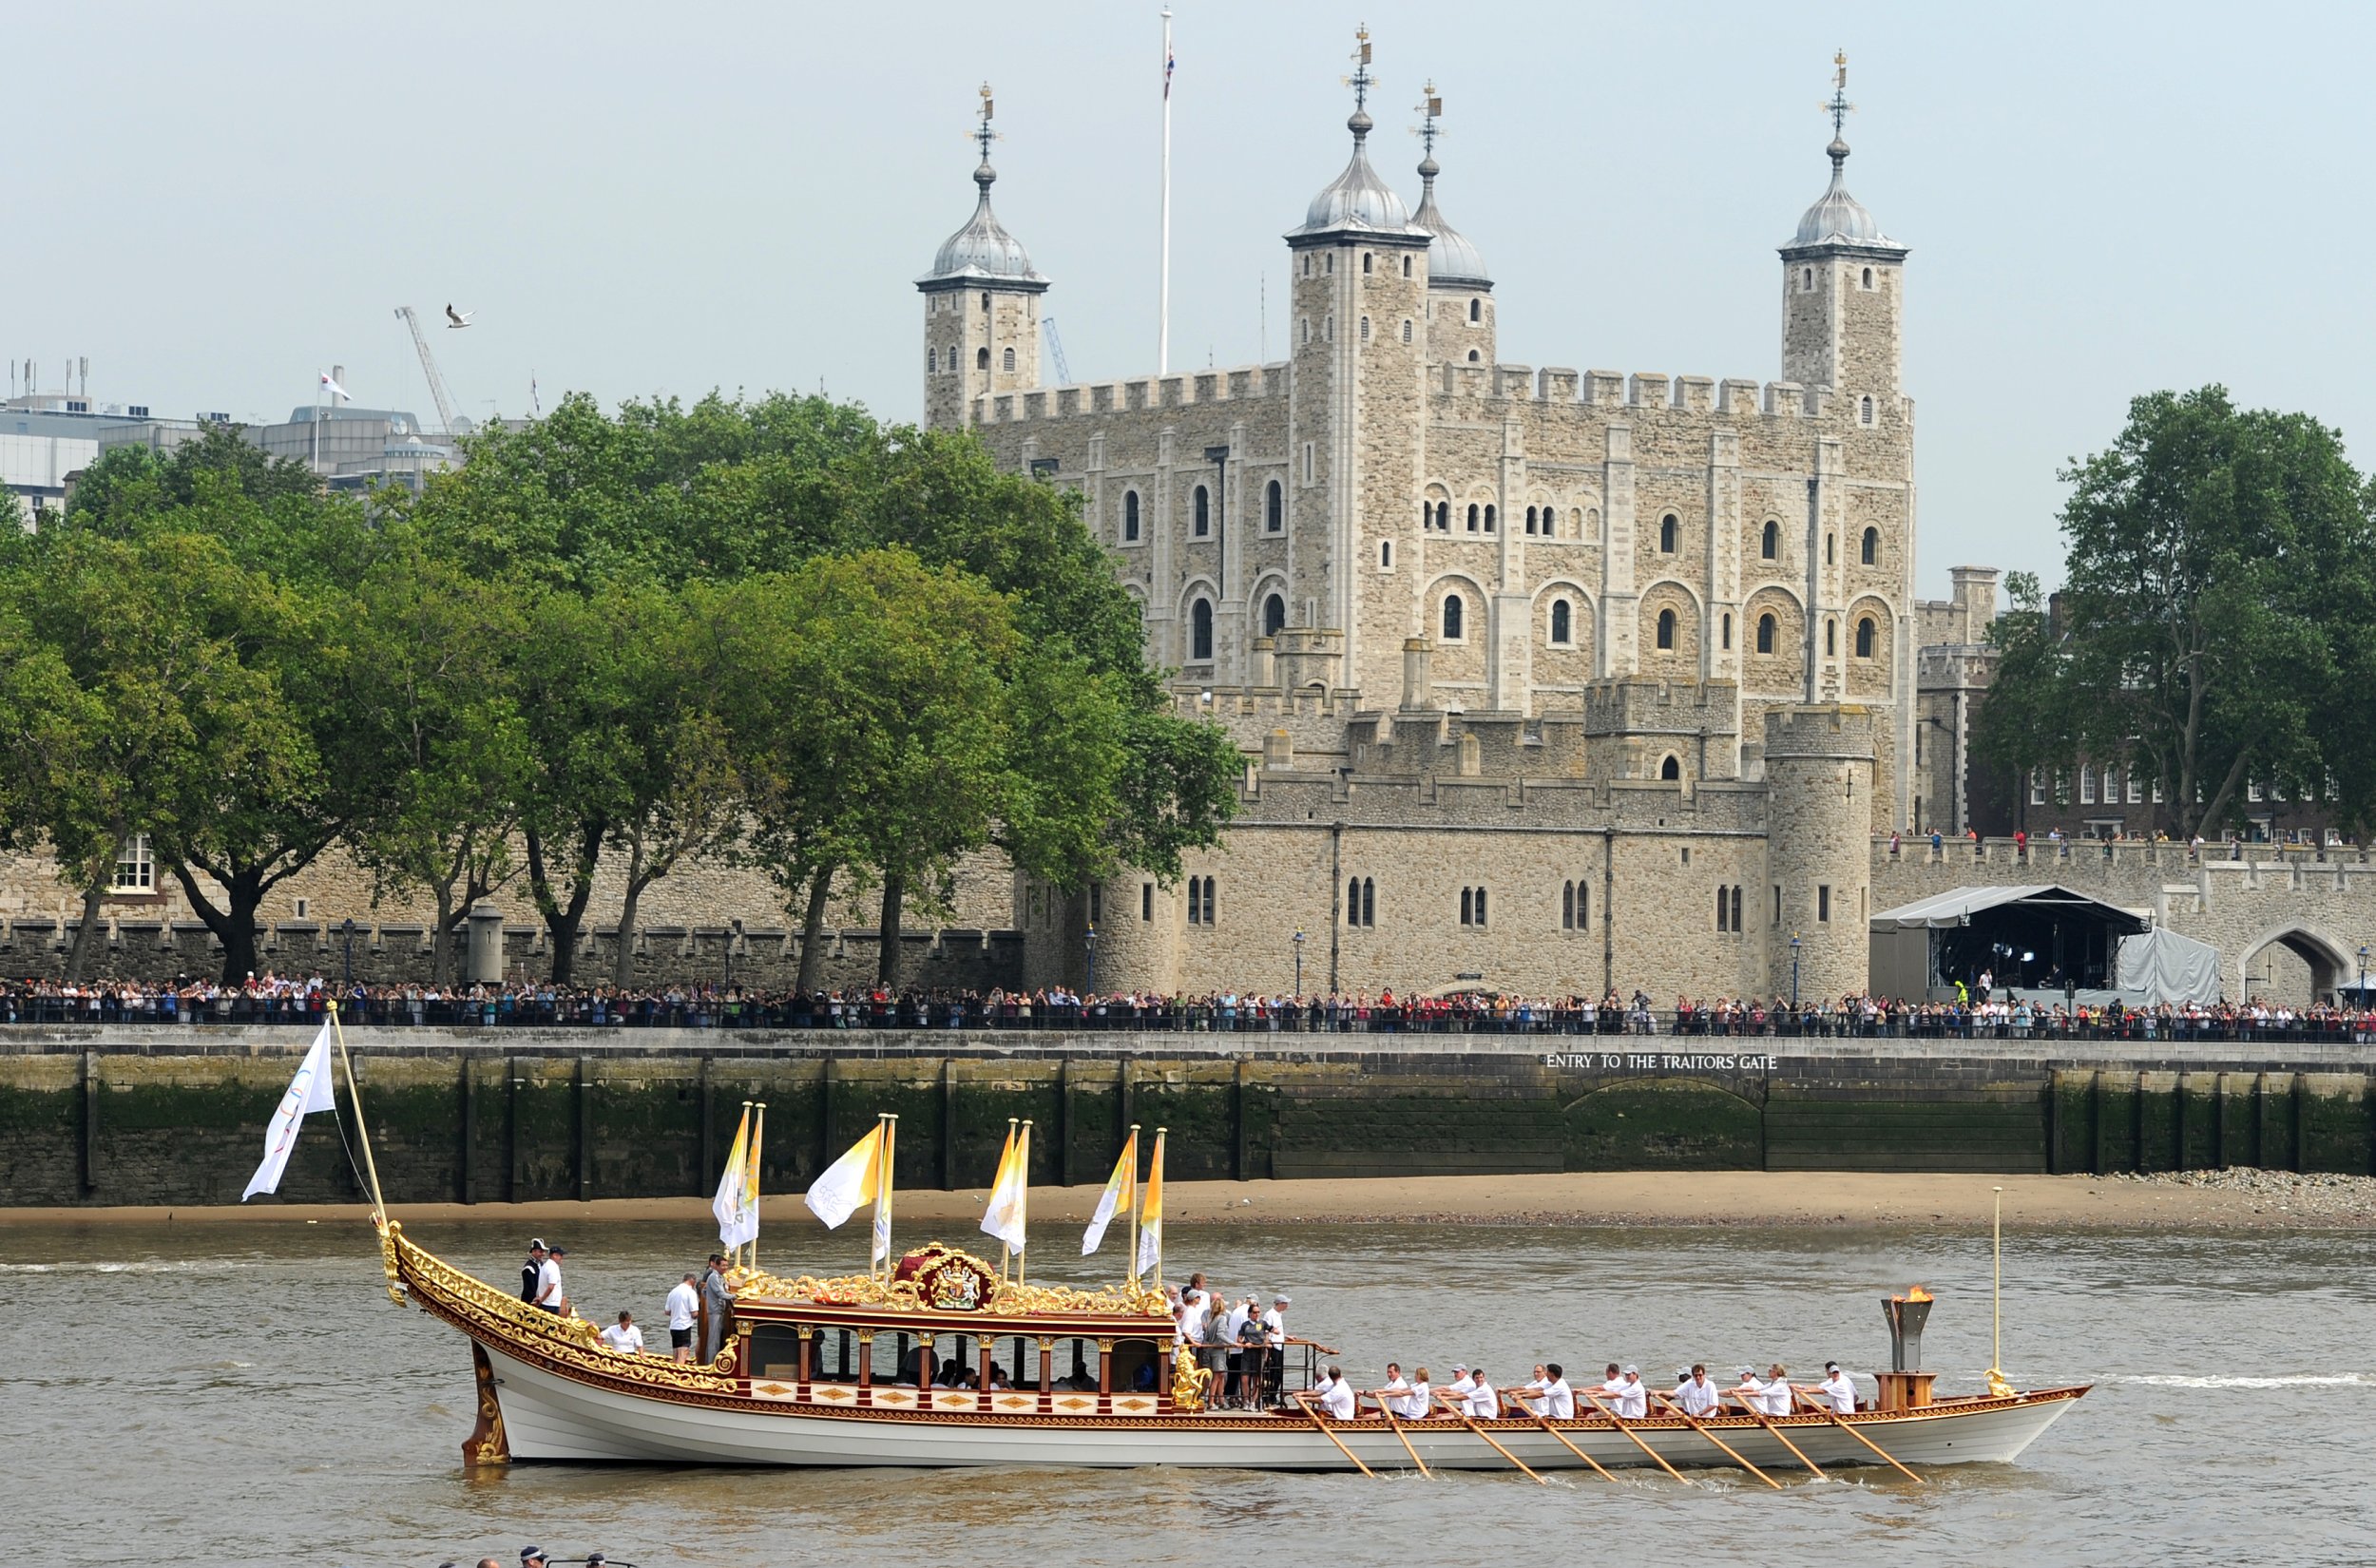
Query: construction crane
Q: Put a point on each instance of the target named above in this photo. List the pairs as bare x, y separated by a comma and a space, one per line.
445, 421
1056, 352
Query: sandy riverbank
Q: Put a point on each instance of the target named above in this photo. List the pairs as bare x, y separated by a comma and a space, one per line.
2246, 1199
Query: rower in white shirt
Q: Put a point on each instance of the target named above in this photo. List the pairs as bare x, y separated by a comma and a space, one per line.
624, 1336
1337, 1397
1420, 1403
1559, 1399
1481, 1403
1771, 1397
1839, 1388
1395, 1391
1696, 1392
1463, 1385
1632, 1402
1614, 1384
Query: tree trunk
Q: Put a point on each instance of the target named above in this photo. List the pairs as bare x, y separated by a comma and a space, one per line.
78, 955
622, 962
561, 920
887, 933
813, 931
235, 924
441, 944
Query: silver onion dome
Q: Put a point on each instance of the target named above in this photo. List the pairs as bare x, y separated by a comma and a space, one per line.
1451, 256
983, 250
1837, 218
1357, 199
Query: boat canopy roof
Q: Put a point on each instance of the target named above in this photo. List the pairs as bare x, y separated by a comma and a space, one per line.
938, 1288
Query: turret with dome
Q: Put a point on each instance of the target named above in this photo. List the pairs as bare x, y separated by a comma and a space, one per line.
981, 306
1842, 289
1459, 289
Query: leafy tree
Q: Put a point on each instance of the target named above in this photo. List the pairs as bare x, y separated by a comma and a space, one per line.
2200, 633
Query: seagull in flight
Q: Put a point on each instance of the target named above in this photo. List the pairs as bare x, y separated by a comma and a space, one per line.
458, 318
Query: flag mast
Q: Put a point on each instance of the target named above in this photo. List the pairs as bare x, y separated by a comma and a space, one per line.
885, 1152
1023, 1194
1134, 1203
751, 1185
1163, 292
362, 1133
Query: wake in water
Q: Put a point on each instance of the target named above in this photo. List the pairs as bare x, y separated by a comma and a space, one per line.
2303, 1380
150, 1266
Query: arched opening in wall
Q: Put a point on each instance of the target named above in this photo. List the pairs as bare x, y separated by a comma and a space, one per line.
1561, 626
1444, 517
1586, 522
931, 360
1869, 278
1475, 359
1770, 540
1476, 313
1864, 638
1386, 555
1807, 279
1671, 769
1201, 524
1455, 613
1130, 515
1365, 335
1728, 631
981, 360
1666, 630
1870, 550
2295, 966
1274, 507
1670, 528
1827, 556
1488, 514
1273, 615
1765, 634
1366, 258
1530, 519
1830, 638
1473, 512
1200, 631
1405, 273
1864, 411
1406, 319
1007, 360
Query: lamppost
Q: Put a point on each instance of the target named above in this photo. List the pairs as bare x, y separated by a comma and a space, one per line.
1793, 971
2363, 974
1298, 939
1089, 943
733, 932
346, 928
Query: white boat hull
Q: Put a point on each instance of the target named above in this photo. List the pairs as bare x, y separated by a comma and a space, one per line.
550, 1416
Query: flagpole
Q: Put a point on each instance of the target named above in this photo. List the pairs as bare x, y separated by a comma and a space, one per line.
362, 1133
750, 1184
1022, 1197
1163, 305
1005, 1247
1159, 1218
888, 1120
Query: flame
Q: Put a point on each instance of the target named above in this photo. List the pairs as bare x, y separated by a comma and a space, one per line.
1917, 1294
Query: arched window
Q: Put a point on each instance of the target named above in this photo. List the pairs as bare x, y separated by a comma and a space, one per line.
1728, 631
1807, 279
1770, 543
1368, 901
1765, 634
1444, 517
1473, 515
1353, 901
1366, 258
1864, 637
1669, 528
1481, 905
1476, 313
1467, 908
1273, 615
1560, 626
1671, 769
1530, 519
1475, 357
1007, 360
1405, 319
1273, 507
1864, 411
1130, 515
1203, 514
1550, 516
1200, 630
981, 360
1407, 274
1567, 905
1869, 551
1827, 549
931, 360
1305, 321
1583, 905
1737, 906
1489, 520
1830, 638
1724, 911
1869, 278
1365, 337
1455, 612
1385, 554
1666, 629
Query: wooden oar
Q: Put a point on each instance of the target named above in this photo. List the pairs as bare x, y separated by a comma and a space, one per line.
1462, 1416
1833, 1416
1766, 1422
1305, 1402
1694, 1425
1385, 1408
1656, 1457
1544, 1422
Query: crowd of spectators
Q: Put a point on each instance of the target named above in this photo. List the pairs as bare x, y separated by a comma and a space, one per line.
300, 999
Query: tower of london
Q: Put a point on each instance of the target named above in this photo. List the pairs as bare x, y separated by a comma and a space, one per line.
1540, 673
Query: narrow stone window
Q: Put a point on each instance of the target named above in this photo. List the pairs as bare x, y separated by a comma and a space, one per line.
1476, 313
1827, 556
1473, 517
1770, 542
1366, 258
1561, 628
1407, 274
1308, 466
1864, 638
1666, 630
1274, 507
1869, 551
931, 360
982, 359
1869, 278
1146, 901
1467, 909
1737, 907
1488, 514
1386, 555
1007, 360
1823, 902
1567, 907
1200, 630
1365, 337
1830, 638
1864, 410
1669, 528
1368, 901
1671, 769
1444, 517
1724, 911
1130, 516
1475, 357
1455, 612
1305, 323
1202, 524
1406, 329
1273, 615
1728, 631
1765, 634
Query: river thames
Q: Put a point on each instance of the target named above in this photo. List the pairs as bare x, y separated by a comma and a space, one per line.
246, 1394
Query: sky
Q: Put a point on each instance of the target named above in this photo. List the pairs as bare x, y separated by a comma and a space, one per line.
212, 203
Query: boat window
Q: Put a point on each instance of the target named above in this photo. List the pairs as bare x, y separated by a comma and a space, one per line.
774, 1350
1135, 1370
1076, 1365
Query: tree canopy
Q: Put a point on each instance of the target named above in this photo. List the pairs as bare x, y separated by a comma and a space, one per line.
768, 630
2214, 627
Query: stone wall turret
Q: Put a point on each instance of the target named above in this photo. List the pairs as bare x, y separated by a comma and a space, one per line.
1819, 783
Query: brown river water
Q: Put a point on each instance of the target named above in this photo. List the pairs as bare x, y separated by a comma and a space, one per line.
246, 1394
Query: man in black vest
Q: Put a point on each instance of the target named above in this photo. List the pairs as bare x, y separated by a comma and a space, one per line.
531, 1269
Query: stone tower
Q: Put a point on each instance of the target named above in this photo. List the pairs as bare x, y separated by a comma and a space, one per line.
1460, 291
1842, 285
1819, 783
1359, 271
980, 309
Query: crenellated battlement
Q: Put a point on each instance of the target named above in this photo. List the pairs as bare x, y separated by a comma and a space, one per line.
1645, 706
1733, 397
1088, 399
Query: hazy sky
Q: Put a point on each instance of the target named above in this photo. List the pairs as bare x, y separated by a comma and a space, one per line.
211, 203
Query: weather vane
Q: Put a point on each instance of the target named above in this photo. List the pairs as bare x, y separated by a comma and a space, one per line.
1837, 105
1361, 80
1430, 108
982, 133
